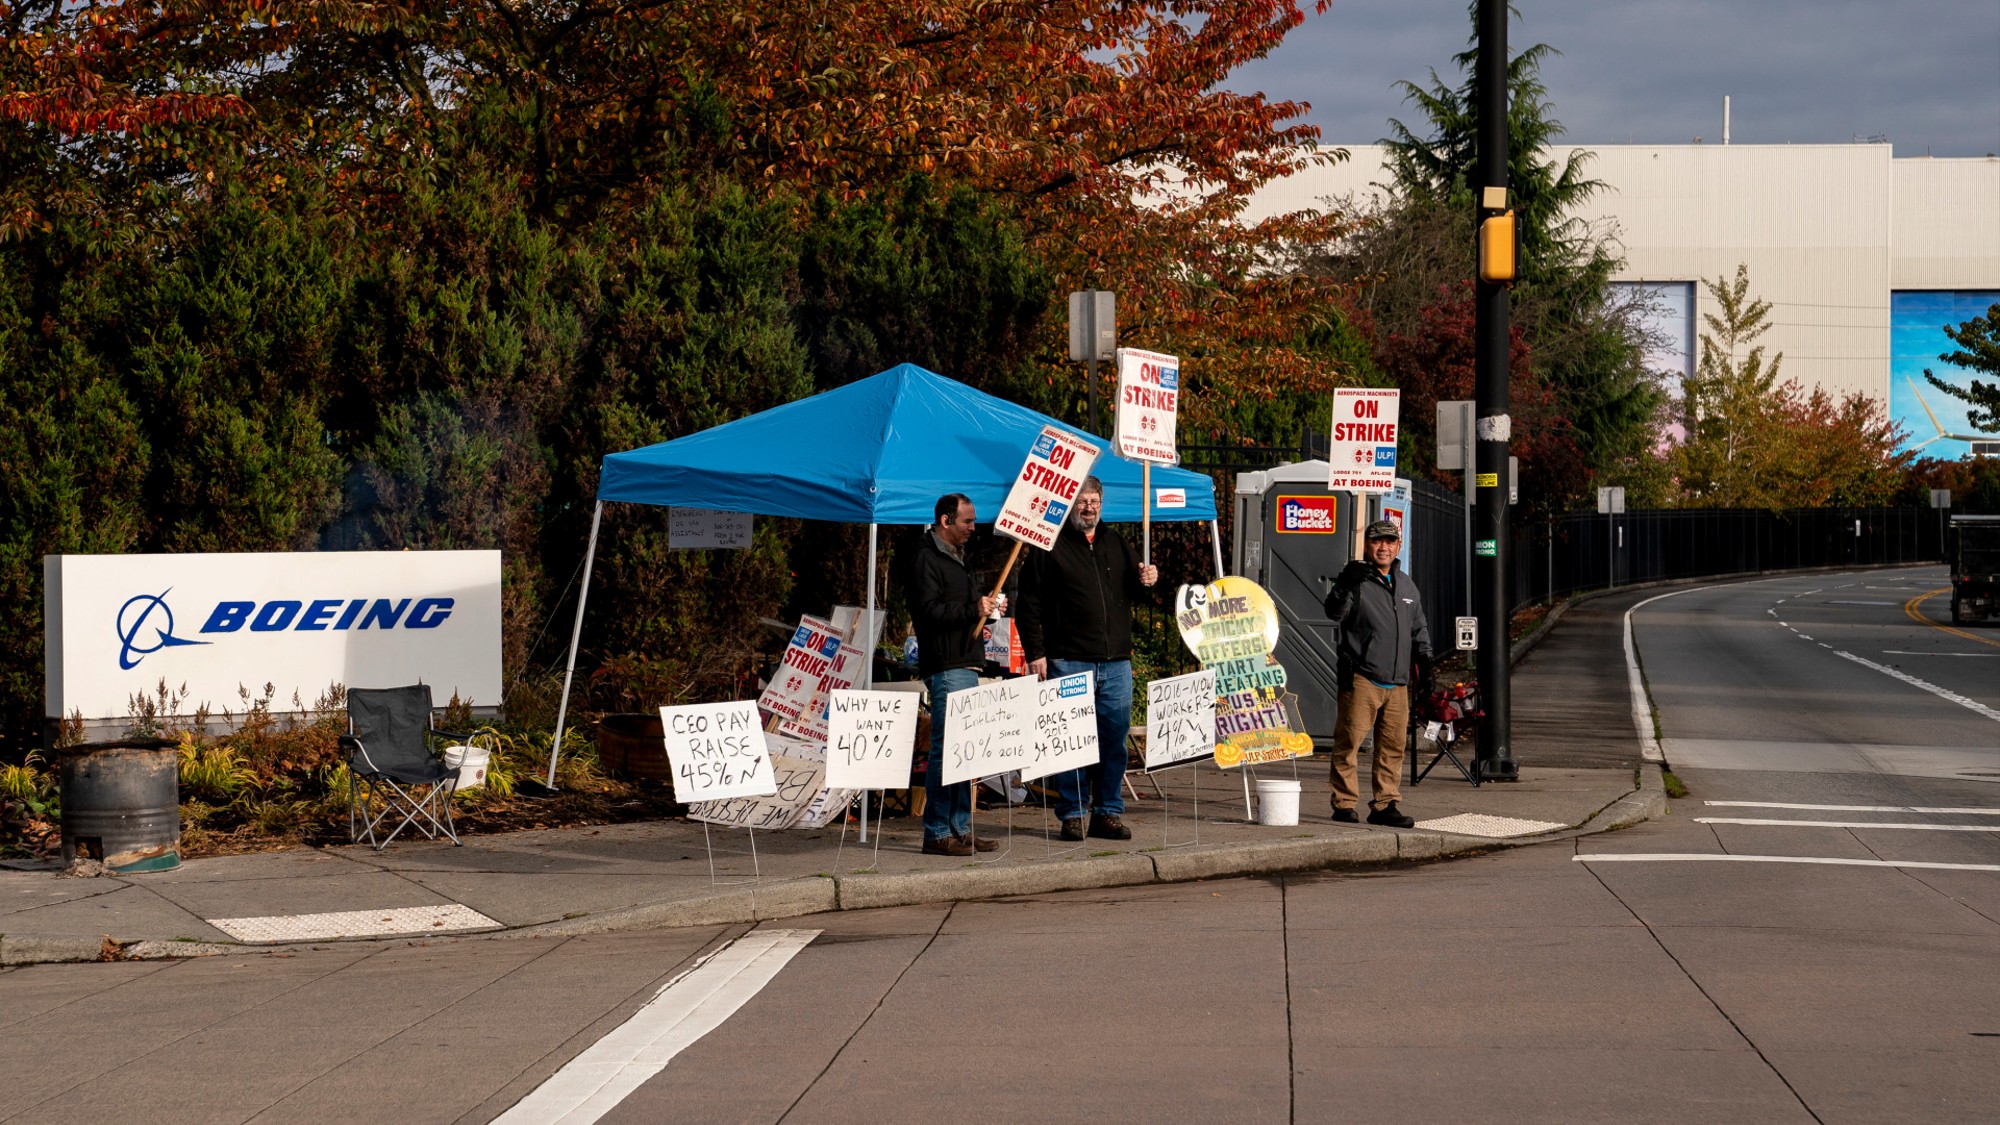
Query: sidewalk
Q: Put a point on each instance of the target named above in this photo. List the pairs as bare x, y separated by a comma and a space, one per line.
659, 874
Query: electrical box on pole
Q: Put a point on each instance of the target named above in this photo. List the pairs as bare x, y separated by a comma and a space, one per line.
1093, 335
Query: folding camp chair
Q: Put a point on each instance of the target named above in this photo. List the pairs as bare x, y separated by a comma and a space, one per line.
1440, 719
391, 768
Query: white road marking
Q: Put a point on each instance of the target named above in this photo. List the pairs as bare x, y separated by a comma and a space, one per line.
1941, 693
1835, 602
685, 1009
1713, 857
445, 918
1642, 712
1855, 808
1847, 824
1903, 652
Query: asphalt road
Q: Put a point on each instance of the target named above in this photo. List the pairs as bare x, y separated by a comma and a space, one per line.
1812, 975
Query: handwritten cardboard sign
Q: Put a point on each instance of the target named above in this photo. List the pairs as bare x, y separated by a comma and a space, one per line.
717, 751
871, 738
1232, 626
1149, 392
706, 527
1180, 720
988, 729
797, 782
1046, 488
1065, 726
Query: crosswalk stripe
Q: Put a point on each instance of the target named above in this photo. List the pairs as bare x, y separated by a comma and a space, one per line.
1847, 824
1716, 857
1940, 810
685, 1009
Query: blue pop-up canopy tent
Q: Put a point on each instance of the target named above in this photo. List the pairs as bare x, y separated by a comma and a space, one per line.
880, 450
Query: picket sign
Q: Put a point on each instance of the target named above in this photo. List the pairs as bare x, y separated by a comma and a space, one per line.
871, 739
988, 730
1362, 456
1149, 385
1043, 493
717, 751
1065, 734
1180, 720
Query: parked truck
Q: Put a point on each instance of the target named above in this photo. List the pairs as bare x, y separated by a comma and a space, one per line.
1975, 568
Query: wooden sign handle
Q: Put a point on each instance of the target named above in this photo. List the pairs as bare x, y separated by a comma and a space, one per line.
1146, 513
1012, 556
1360, 512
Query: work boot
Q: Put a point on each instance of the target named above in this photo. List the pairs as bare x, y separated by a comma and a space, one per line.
1345, 815
1389, 816
1105, 826
1072, 829
948, 845
980, 843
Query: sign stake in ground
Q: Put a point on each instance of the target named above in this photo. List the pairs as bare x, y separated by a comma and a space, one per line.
1044, 492
1362, 455
1149, 392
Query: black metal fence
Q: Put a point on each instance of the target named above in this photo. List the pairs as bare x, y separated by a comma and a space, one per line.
1586, 551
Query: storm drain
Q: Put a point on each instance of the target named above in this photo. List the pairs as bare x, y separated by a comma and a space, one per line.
1480, 824
391, 922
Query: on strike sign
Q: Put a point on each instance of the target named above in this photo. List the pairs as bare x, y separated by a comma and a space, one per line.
1042, 494
1363, 454
1149, 395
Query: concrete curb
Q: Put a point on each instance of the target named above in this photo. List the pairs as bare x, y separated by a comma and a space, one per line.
792, 898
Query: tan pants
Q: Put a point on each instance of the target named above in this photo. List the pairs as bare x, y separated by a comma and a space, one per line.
1387, 711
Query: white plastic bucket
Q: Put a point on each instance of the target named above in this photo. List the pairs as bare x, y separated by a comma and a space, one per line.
471, 763
1277, 803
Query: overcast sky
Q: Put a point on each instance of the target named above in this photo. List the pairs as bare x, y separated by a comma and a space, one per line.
1923, 73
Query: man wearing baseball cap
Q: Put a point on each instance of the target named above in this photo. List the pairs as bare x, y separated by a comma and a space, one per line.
1380, 616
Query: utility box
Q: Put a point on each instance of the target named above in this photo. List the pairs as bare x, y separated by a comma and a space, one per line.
1293, 536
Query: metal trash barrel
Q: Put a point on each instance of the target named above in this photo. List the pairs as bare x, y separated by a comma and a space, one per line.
121, 804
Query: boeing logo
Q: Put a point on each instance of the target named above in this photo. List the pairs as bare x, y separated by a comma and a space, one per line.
150, 611
132, 617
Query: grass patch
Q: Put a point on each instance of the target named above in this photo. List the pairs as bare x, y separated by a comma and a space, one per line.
1676, 788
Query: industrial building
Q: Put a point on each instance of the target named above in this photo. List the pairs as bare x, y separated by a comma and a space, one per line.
1863, 256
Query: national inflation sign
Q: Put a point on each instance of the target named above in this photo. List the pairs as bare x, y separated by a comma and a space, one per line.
1362, 456
1046, 488
1149, 395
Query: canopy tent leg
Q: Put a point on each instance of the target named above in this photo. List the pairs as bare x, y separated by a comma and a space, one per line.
1215, 541
575, 635
868, 660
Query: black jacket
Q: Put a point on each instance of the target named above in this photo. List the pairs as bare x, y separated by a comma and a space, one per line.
944, 607
1382, 627
1076, 598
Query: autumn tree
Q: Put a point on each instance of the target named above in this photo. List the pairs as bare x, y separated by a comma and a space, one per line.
1751, 441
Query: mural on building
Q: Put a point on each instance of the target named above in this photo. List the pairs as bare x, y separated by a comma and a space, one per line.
1934, 422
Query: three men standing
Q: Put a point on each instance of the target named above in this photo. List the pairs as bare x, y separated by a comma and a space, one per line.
1075, 615
1380, 616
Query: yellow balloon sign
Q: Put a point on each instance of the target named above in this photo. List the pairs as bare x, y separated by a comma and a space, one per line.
1231, 626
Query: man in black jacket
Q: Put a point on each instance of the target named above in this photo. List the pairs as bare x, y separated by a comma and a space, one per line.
949, 614
1076, 616
1380, 616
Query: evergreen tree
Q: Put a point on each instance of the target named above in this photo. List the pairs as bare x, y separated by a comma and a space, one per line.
1978, 340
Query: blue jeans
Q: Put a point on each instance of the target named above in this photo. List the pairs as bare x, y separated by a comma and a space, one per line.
1099, 788
947, 808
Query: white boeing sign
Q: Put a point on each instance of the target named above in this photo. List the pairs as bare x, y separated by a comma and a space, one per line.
119, 625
